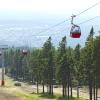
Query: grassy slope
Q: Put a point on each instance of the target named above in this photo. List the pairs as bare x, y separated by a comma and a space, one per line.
27, 96
44, 97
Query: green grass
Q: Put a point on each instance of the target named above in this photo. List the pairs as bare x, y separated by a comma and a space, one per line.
58, 97
9, 83
45, 96
66, 98
27, 96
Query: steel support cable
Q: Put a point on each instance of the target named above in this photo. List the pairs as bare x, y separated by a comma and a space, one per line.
89, 20
69, 19
88, 8
52, 26
78, 24
82, 22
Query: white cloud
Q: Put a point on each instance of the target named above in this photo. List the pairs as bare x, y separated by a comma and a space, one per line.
44, 9
14, 29
44, 5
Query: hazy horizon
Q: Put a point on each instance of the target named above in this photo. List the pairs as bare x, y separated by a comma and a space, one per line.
22, 20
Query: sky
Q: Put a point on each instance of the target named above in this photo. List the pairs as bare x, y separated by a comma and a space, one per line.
18, 15
32, 8
42, 5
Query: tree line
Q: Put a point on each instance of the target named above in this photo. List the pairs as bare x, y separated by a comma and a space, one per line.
65, 66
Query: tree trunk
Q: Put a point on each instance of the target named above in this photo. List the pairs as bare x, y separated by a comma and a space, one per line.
37, 87
32, 78
71, 91
43, 86
52, 90
94, 90
63, 92
68, 88
90, 89
47, 88
23, 74
17, 73
77, 91
96, 93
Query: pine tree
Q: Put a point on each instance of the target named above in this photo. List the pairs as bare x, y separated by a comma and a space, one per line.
62, 63
90, 61
48, 56
76, 65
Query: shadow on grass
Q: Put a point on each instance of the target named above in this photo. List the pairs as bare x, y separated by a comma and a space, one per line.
47, 96
66, 98
33, 93
70, 98
57, 97
73, 98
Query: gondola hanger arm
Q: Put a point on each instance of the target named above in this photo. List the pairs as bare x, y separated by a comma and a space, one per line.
72, 18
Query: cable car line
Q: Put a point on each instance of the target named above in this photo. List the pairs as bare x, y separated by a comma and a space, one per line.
53, 26
88, 8
68, 18
78, 24
89, 20
85, 21
75, 31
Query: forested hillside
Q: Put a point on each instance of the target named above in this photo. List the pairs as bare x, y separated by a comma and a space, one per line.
66, 66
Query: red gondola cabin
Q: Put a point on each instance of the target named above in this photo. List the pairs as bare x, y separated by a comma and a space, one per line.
75, 31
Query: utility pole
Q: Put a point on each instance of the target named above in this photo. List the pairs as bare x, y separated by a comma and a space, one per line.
24, 51
3, 48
